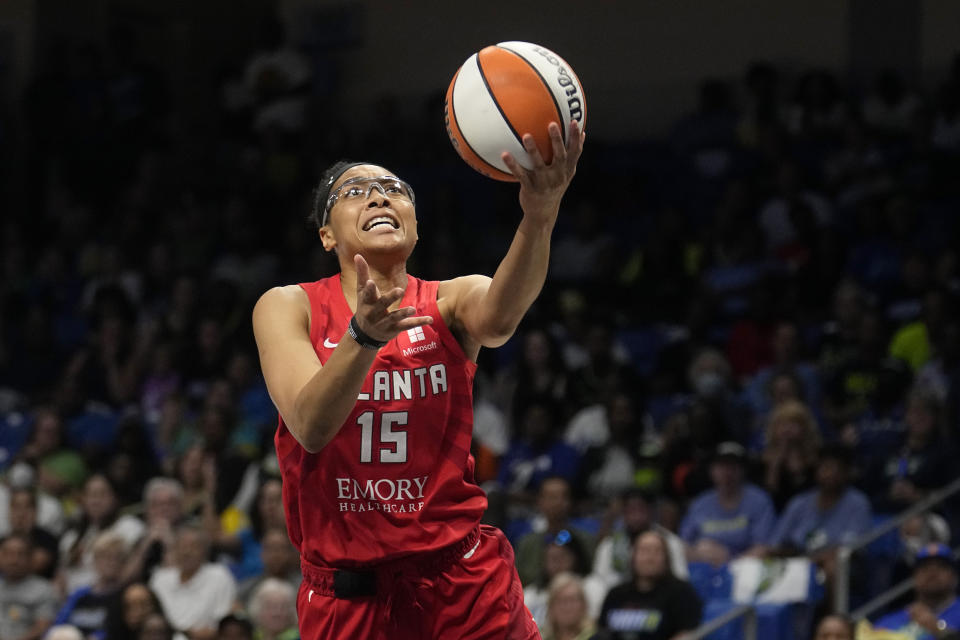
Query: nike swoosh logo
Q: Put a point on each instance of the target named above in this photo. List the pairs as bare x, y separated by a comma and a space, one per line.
470, 553
329, 345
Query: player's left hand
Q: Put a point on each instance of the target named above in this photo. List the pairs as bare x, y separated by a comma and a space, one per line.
542, 187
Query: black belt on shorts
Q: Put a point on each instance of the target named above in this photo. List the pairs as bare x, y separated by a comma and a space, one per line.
354, 584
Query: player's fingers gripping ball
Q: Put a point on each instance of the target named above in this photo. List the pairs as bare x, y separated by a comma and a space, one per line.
503, 92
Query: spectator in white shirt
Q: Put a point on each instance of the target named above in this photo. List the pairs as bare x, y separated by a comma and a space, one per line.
195, 594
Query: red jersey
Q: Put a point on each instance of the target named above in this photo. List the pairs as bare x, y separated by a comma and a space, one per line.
397, 478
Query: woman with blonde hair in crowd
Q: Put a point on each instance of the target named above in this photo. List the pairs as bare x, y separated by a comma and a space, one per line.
567, 615
273, 608
790, 451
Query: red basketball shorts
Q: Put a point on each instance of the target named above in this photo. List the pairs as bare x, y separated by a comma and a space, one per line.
470, 591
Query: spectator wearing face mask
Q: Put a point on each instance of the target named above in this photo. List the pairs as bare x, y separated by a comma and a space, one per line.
714, 397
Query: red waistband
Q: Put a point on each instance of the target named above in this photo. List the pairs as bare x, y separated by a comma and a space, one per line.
320, 577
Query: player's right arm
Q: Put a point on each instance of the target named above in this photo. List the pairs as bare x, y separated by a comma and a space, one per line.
313, 400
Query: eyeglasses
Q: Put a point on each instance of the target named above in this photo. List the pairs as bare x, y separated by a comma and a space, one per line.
360, 188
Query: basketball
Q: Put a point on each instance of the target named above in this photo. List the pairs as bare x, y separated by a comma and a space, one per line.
503, 92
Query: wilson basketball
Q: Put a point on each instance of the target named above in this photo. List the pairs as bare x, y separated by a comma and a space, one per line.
503, 92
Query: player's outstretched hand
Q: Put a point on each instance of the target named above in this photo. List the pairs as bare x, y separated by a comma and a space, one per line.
374, 316
542, 187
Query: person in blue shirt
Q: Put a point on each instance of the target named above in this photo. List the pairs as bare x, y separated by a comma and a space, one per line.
935, 612
818, 521
538, 452
833, 513
733, 518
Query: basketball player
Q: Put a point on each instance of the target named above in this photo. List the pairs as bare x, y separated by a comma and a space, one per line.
371, 371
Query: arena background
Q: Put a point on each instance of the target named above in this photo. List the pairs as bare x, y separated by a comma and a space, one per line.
749, 165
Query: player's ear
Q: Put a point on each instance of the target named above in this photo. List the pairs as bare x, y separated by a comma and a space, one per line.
327, 238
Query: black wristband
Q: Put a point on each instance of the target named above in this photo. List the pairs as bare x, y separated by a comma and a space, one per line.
362, 339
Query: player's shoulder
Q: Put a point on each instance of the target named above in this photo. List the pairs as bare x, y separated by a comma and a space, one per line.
283, 296
282, 306
460, 284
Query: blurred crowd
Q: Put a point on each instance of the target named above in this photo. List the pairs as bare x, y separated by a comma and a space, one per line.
748, 346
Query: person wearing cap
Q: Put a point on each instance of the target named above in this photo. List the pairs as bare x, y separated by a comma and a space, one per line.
935, 612
733, 518
372, 373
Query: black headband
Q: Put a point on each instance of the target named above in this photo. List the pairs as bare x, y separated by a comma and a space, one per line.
323, 191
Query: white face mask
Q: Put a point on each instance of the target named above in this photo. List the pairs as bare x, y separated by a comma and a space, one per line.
708, 384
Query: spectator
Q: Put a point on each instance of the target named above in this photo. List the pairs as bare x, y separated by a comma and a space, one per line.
612, 560
922, 462
936, 609
280, 561
891, 106
584, 256
562, 554
190, 474
133, 460
733, 518
88, 607
234, 627
276, 80
786, 349
818, 108
63, 632
609, 436
537, 452
163, 510
195, 593
942, 374
567, 617
718, 414
823, 518
58, 469
790, 452
779, 215
538, 372
840, 334
602, 369
99, 512
273, 608
864, 381
654, 604
50, 514
834, 627
267, 514
28, 603
912, 342
156, 627
23, 520
491, 436
135, 602
555, 506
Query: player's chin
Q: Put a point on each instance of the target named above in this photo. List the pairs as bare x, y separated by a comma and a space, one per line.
398, 244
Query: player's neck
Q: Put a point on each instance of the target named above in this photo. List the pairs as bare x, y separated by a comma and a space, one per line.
386, 278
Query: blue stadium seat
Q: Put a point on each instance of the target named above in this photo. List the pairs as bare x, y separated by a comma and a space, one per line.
14, 429
733, 630
644, 345
711, 583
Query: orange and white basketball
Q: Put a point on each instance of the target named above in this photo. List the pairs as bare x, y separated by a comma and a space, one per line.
503, 92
